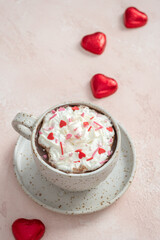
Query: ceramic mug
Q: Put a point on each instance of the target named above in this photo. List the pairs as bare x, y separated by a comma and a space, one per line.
26, 125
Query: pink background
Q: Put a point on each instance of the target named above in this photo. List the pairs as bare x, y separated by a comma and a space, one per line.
42, 64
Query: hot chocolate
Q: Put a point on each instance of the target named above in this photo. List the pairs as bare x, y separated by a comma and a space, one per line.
76, 139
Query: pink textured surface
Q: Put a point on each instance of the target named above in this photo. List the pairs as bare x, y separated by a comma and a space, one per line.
42, 64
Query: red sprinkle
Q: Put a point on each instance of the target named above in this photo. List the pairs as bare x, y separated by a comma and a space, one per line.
78, 150
110, 129
75, 108
40, 132
53, 111
62, 123
85, 124
95, 152
91, 118
77, 136
76, 161
61, 109
81, 155
89, 159
104, 161
89, 128
50, 136
68, 136
61, 148
100, 126
82, 114
109, 153
101, 150
53, 116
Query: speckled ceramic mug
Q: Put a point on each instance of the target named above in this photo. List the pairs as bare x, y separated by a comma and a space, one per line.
26, 125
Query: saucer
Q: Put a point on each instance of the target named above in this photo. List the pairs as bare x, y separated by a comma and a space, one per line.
58, 200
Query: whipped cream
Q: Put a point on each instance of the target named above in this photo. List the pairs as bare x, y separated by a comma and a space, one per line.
77, 139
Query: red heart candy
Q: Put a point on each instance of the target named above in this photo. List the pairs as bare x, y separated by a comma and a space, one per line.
75, 108
62, 123
110, 129
85, 124
50, 136
94, 43
101, 150
133, 18
103, 86
25, 229
81, 155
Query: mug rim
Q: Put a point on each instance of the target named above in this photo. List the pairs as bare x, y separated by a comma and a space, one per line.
90, 105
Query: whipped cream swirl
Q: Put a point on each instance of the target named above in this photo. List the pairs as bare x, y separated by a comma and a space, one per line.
77, 139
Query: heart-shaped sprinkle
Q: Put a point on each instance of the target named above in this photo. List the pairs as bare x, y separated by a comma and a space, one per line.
68, 136
133, 18
82, 114
101, 150
81, 155
28, 229
85, 124
62, 123
110, 129
103, 86
75, 108
50, 136
94, 43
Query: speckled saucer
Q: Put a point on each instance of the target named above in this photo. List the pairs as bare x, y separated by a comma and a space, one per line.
53, 198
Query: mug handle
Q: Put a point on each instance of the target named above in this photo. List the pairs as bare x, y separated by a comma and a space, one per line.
23, 123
